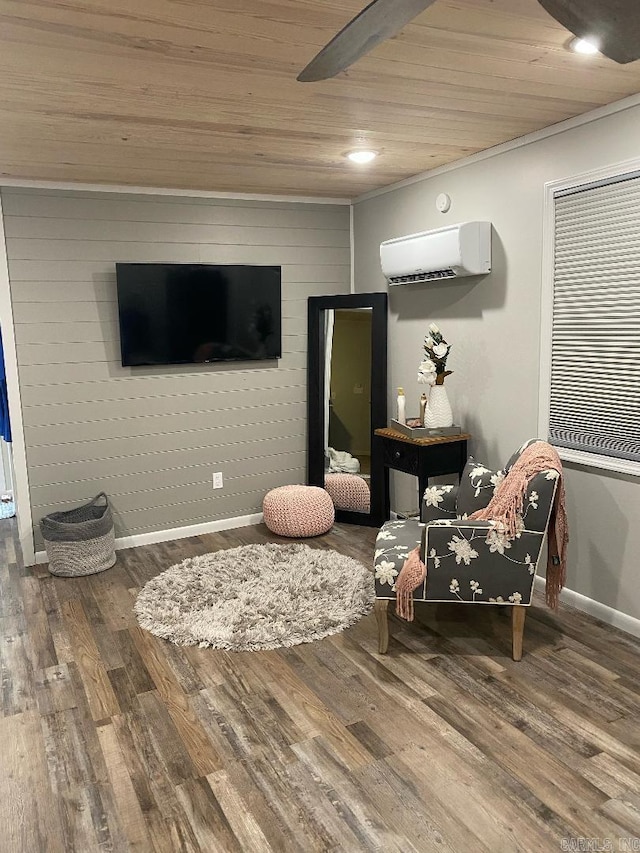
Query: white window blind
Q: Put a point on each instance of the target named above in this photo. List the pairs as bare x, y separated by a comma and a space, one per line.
595, 349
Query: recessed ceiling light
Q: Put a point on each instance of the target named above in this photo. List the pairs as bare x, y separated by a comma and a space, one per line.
362, 156
588, 47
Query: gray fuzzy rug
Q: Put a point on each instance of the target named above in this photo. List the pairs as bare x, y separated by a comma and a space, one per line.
256, 597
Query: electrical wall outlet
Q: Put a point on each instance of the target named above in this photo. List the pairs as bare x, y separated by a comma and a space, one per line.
216, 478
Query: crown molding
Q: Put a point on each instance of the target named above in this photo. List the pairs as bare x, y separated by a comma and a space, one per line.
71, 186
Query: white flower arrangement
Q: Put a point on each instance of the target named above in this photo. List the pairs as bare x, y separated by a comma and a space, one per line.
432, 369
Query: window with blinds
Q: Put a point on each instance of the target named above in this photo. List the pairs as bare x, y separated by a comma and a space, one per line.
594, 403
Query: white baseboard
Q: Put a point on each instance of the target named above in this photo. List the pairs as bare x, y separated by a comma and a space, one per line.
600, 611
568, 596
177, 533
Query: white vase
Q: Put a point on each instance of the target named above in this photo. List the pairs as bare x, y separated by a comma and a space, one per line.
438, 412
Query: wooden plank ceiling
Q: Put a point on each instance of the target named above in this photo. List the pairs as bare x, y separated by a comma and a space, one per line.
201, 94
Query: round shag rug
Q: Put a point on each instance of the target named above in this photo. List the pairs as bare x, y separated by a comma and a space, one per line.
256, 597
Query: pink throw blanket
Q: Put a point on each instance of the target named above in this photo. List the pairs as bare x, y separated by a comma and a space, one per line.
507, 505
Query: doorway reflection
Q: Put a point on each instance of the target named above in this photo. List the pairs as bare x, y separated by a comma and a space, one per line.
347, 402
347, 420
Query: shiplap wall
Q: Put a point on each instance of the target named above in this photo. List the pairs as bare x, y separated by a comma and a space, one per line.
151, 437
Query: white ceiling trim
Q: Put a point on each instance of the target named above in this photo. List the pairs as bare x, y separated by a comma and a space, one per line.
72, 186
528, 139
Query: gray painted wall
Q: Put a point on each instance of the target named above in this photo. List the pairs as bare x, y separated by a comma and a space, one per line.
151, 437
494, 326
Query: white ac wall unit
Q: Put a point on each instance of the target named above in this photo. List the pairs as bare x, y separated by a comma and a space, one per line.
449, 252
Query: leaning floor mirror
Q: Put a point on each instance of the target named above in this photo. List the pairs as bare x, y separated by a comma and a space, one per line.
347, 402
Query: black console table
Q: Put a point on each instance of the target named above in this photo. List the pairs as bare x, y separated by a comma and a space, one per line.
422, 457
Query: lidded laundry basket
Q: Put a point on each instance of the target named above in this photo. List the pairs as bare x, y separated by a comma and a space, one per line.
80, 541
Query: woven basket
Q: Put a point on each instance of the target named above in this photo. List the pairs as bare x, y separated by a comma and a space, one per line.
80, 541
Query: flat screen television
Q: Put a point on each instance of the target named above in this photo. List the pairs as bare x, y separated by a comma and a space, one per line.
198, 313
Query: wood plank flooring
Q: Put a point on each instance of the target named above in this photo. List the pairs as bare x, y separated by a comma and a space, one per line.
111, 739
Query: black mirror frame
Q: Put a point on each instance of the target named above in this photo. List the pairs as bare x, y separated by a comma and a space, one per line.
316, 391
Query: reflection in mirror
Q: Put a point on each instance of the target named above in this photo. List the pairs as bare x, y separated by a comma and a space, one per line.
348, 407
347, 399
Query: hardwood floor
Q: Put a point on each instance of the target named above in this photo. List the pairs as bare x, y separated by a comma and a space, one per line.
111, 739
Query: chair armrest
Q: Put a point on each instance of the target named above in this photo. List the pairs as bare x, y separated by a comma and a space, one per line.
438, 502
438, 533
474, 561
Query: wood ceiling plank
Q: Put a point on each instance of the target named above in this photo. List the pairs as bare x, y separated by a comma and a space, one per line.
244, 51
82, 96
172, 94
154, 76
126, 133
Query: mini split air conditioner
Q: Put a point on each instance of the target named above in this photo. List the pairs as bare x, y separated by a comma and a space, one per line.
449, 252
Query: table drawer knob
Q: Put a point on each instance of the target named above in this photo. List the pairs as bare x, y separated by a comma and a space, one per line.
397, 454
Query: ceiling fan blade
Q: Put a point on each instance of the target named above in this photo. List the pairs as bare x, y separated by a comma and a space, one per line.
614, 24
381, 20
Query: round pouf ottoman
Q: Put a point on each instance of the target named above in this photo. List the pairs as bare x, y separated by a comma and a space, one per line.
348, 491
298, 511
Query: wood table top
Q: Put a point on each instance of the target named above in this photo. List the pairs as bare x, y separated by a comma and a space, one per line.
388, 432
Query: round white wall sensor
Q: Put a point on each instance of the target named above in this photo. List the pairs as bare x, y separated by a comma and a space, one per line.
443, 202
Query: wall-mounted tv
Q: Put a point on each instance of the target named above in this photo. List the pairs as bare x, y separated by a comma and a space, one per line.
198, 313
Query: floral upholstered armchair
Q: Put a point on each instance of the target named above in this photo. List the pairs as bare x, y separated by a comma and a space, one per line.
468, 561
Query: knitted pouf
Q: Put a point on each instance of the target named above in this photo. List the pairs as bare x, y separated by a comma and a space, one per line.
298, 511
348, 491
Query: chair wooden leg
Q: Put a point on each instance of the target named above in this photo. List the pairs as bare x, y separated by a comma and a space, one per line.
518, 612
380, 608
